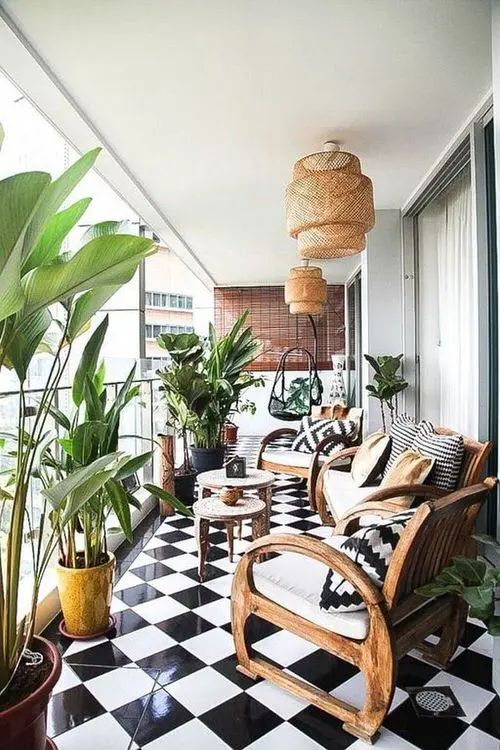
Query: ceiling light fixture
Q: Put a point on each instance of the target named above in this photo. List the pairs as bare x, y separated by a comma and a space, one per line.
305, 290
329, 204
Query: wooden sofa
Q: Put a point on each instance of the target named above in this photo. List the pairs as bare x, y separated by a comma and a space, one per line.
285, 591
336, 494
306, 465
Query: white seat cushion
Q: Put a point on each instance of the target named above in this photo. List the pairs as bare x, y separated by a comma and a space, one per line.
295, 582
294, 459
342, 494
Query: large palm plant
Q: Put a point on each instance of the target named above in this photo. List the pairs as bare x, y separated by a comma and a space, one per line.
217, 377
39, 284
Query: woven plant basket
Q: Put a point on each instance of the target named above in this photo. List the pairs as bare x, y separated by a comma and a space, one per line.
329, 205
305, 291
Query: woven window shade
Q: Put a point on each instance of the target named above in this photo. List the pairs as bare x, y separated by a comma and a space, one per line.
329, 205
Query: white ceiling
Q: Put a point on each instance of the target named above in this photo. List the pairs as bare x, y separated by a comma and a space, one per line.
207, 104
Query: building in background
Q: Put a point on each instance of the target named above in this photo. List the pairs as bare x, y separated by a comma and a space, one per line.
175, 301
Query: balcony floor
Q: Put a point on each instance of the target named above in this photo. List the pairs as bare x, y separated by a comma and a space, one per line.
166, 677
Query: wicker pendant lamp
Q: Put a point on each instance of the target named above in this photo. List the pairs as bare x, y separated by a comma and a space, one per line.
305, 290
329, 204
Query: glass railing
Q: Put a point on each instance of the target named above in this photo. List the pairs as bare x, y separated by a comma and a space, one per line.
141, 421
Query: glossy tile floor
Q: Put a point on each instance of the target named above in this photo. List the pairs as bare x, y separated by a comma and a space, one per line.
166, 678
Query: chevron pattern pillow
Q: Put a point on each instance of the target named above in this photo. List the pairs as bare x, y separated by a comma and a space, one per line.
312, 431
447, 452
403, 433
371, 547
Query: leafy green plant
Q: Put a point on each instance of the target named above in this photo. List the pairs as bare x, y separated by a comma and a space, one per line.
214, 377
183, 386
43, 291
387, 383
475, 581
91, 432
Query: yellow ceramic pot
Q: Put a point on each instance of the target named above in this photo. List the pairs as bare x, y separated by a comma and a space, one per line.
85, 595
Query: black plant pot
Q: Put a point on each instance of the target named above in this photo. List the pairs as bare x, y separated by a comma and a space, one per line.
184, 487
206, 459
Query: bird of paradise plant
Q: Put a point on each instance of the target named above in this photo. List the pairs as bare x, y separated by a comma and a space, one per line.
39, 284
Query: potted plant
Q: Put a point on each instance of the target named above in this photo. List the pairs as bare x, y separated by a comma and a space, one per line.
85, 575
476, 582
206, 380
185, 392
40, 285
387, 384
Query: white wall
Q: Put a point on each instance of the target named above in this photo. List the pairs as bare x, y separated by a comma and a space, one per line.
381, 300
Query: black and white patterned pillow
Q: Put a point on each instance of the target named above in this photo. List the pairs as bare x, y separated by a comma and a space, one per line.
371, 547
447, 452
312, 431
403, 432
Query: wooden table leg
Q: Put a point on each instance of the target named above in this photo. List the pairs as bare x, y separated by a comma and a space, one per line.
240, 529
202, 526
266, 494
259, 528
230, 539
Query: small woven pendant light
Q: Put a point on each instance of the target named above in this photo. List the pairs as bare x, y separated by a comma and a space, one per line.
305, 290
329, 204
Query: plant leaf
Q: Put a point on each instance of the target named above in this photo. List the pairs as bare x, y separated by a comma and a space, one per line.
19, 197
121, 507
58, 227
54, 196
162, 494
88, 362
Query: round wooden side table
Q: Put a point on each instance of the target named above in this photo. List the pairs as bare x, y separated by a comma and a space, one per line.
209, 482
209, 509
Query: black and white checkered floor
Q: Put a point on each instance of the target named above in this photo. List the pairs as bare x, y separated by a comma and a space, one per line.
166, 678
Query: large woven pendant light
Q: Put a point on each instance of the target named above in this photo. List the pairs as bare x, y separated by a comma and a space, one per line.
305, 291
329, 204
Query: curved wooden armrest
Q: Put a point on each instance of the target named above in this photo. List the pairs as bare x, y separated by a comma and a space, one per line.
340, 456
310, 546
276, 434
349, 523
318, 500
272, 436
413, 490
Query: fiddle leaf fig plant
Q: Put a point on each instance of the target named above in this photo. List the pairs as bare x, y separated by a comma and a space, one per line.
387, 383
475, 581
47, 297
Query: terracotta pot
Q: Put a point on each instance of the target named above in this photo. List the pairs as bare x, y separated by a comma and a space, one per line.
25, 724
230, 433
85, 595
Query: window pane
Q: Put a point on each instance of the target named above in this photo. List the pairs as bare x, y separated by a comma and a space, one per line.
149, 333
189, 303
164, 300
156, 331
156, 299
148, 298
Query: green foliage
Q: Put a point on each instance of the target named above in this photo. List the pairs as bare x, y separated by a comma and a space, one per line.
90, 439
475, 581
387, 383
206, 380
43, 290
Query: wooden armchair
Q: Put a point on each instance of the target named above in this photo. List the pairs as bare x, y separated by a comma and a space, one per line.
286, 593
350, 498
305, 465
